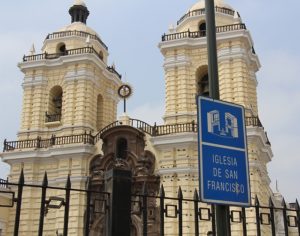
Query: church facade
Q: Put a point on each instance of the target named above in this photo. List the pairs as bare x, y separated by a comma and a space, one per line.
69, 123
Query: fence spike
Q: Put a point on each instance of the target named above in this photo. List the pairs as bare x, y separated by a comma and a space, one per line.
145, 190
68, 184
257, 201
180, 196
284, 203
45, 180
22, 178
271, 204
162, 191
196, 196
297, 205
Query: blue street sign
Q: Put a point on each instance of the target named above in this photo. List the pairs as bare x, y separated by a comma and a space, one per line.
223, 160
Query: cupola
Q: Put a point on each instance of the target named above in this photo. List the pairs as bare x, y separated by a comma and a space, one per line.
79, 12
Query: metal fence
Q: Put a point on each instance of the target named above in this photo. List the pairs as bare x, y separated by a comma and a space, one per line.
165, 210
88, 138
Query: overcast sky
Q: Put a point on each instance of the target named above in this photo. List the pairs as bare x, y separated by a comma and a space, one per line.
132, 30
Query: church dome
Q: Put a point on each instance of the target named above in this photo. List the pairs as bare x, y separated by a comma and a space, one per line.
218, 3
79, 14
78, 26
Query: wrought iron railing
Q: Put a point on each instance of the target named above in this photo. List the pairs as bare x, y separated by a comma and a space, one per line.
200, 34
52, 117
3, 183
183, 212
155, 130
46, 143
76, 51
49, 56
200, 12
69, 33
113, 70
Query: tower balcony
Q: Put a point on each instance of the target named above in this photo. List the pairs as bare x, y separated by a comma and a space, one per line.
155, 130
71, 33
201, 34
201, 12
70, 52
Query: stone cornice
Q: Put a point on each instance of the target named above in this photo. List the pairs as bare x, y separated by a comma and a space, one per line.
258, 136
177, 170
57, 152
221, 37
174, 140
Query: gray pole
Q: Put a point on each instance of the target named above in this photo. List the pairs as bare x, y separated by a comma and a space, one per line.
212, 49
222, 211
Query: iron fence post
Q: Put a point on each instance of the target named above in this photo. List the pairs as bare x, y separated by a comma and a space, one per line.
162, 211
87, 213
257, 206
284, 214
180, 197
43, 202
19, 203
67, 206
145, 211
298, 216
213, 219
196, 212
244, 221
272, 217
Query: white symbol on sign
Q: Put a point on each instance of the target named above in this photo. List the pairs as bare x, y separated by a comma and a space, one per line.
227, 128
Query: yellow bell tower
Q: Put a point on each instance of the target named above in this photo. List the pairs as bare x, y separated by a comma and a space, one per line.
184, 49
68, 88
70, 93
185, 62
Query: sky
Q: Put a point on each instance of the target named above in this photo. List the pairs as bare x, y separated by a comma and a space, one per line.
132, 30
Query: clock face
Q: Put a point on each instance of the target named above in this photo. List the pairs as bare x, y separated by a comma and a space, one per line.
125, 91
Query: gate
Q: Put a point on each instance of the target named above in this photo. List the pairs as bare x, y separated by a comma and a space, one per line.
284, 219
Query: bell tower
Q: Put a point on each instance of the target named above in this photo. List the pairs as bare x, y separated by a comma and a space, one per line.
184, 49
185, 62
68, 88
70, 93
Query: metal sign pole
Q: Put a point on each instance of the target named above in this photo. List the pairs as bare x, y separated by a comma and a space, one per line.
222, 212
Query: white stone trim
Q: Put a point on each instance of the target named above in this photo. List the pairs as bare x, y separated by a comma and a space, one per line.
61, 129
183, 114
174, 140
57, 152
264, 175
57, 182
258, 134
30, 81
178, 170
197, 17
178, 61
72, 59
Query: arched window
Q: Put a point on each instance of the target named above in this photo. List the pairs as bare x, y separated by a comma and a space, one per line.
61, 49
54, 104
99, 121
121, 148
202, 81
202, 29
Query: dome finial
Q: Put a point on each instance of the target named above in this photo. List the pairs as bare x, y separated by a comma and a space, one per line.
79, 3
79, 12
32, 50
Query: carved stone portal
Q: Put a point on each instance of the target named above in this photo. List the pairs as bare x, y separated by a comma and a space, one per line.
124, 148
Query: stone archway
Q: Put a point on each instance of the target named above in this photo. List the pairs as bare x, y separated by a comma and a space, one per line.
128, 143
